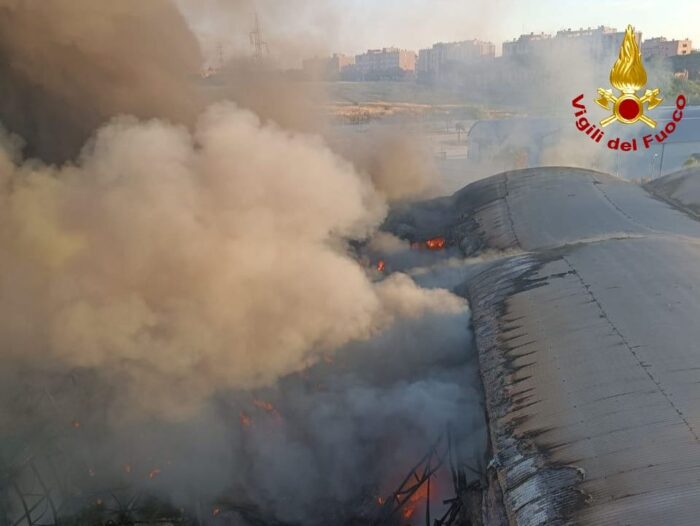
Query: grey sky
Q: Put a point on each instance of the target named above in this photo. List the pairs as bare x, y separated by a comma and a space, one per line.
417, 23
296, 28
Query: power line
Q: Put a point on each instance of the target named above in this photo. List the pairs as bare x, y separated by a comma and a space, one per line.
260, 48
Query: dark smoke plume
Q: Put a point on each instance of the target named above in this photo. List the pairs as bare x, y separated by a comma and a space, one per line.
166, 267
67, 66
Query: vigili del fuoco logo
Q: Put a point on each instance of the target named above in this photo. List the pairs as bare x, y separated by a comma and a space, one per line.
628, 77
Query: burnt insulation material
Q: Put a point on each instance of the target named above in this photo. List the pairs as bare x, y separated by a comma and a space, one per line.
534, 490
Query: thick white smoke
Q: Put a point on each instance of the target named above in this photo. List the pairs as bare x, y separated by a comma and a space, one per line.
158, 282
189, 263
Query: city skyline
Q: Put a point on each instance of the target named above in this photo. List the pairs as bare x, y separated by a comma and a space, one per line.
658, 46
303, 29
420, 23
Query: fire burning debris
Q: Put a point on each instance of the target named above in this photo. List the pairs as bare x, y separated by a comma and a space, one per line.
268, 408
419, 490
245, 419
436, 243
418, 498
348, 407
265, 406
198, 296
381, 265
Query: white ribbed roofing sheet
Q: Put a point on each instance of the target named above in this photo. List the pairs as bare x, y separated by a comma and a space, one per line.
590, 351
550, 207
681, 188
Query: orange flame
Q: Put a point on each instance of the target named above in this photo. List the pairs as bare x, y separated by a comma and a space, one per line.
628, 74
381, 265
265, 406
436, 243
154, 473
245, 419
268, 408
411, 506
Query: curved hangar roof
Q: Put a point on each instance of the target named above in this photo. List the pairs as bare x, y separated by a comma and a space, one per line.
588, 343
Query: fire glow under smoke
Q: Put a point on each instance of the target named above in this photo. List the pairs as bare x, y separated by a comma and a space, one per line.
166, 269
157, 281
173, 260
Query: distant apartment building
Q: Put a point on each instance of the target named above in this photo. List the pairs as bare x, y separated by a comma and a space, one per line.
540, 60
660, 47
525, 45
327, 67
386, 63
443, 57
601, 42
598, 43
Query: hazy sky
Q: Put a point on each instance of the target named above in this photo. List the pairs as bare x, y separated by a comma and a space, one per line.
298, 28
418, 23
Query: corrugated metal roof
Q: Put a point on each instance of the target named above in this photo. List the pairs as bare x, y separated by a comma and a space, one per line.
589, 349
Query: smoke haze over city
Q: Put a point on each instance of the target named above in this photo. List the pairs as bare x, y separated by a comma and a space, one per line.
306, 263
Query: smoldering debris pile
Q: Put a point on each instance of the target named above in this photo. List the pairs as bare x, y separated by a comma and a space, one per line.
329, 444
187, 334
